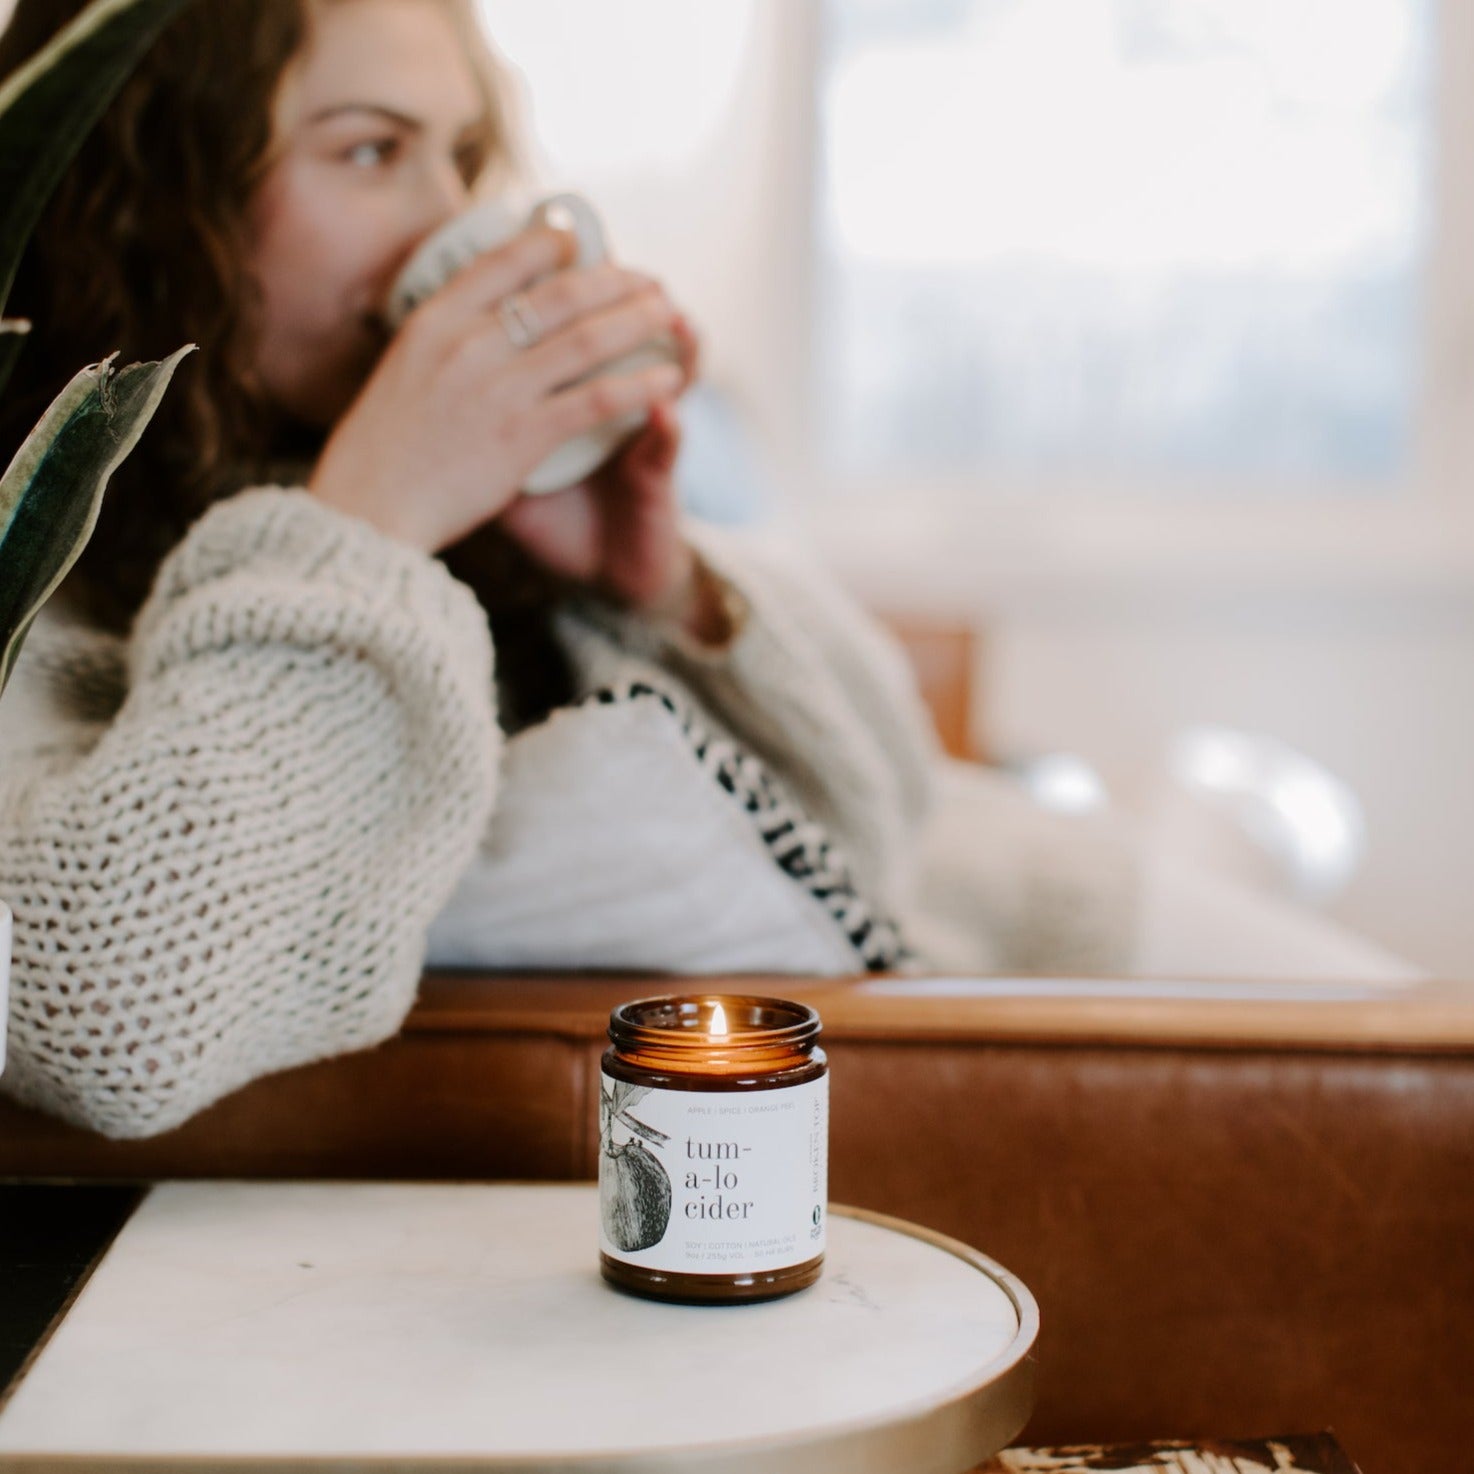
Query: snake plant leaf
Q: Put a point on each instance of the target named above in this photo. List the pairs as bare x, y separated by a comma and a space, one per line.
50, 495
48, 106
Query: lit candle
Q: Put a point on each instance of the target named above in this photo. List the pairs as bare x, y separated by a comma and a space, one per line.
713, 1148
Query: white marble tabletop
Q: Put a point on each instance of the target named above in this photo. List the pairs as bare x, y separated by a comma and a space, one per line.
466, 1325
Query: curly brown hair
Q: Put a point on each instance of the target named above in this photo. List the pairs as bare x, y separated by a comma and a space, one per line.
144, 247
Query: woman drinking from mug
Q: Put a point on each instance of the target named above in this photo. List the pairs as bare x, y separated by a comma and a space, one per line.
272, 720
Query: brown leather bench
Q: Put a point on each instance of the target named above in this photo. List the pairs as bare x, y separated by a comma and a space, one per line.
1240, 1215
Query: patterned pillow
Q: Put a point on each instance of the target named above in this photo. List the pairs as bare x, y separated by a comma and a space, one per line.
628, 835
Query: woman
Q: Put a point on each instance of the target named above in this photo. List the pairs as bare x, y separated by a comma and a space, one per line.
264, 732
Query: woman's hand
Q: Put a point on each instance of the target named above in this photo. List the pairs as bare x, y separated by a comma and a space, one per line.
454, 417
618, 532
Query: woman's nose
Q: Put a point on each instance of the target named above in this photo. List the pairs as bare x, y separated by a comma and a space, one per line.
446, 195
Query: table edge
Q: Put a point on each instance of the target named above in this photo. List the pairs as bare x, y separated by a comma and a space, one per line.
970, 1422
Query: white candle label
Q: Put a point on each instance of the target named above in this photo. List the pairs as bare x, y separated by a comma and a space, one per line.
713, 1181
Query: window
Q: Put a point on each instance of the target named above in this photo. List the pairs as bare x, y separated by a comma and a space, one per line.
1175, 241
1152, 278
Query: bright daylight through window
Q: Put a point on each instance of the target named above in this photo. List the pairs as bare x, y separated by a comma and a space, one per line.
1165, 241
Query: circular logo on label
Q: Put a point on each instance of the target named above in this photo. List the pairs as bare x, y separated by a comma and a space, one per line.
817, 1211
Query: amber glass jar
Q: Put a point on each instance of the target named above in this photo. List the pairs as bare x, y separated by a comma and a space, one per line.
713, 1149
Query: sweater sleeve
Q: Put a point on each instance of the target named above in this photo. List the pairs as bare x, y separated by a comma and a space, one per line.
235, 873
819, 690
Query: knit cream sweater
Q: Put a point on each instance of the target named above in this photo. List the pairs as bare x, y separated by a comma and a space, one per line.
224, 838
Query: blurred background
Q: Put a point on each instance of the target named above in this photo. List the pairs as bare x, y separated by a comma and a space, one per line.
1134, 338
1121, 351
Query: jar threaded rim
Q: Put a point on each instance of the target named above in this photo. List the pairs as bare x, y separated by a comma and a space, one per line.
755, 1024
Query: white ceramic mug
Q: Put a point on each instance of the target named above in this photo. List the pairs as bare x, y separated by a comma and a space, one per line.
484, 228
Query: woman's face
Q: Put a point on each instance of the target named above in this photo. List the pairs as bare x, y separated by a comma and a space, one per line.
377, 134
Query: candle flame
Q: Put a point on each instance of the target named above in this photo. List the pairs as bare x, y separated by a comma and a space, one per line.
719, 1020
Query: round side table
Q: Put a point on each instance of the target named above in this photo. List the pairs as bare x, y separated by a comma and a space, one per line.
448, 1327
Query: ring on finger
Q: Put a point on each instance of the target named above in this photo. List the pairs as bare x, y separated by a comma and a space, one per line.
519, 320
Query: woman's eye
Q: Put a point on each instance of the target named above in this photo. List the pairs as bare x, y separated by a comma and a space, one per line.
370, 155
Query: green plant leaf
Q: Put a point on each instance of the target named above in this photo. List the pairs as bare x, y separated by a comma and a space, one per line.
50, 495
48, 106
